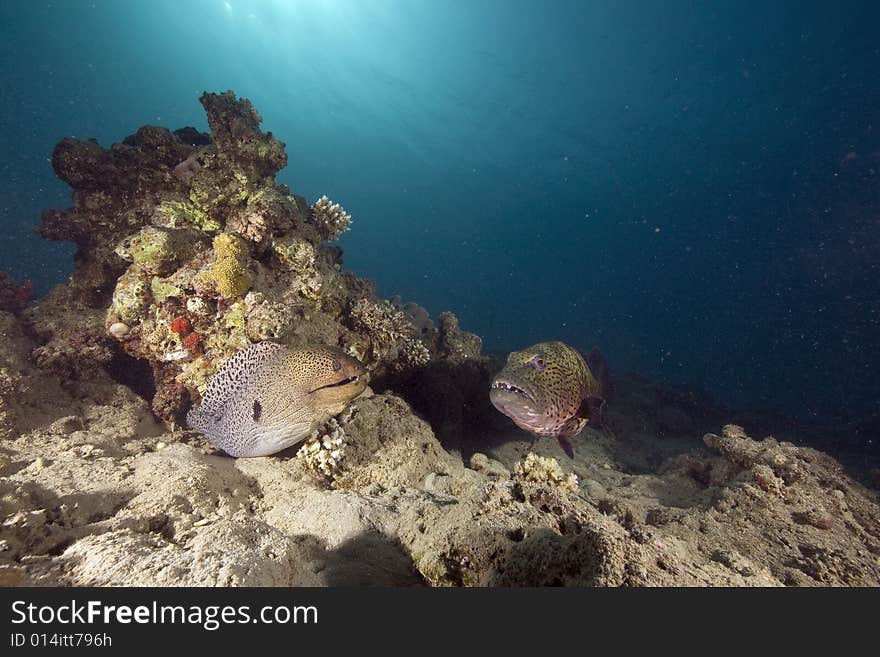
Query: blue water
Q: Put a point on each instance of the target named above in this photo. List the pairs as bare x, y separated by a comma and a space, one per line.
690, 185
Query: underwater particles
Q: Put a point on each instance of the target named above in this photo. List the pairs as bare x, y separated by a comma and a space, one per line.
549, 390
267, 397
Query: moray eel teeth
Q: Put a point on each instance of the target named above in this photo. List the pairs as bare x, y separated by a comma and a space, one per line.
346, 381
500, 384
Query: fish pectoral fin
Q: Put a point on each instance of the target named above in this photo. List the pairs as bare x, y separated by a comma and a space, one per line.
566, 446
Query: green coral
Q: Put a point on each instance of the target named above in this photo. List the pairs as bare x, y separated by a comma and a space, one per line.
131, 298
162, 289
235, 317
179, 213
229, 274
152, 249
244, 192
295, 254
229, 246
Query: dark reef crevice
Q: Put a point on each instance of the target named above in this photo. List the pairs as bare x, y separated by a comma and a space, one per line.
134, 373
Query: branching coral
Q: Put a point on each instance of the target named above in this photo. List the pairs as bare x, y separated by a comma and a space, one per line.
330, 218
385, 325
413, 354
391, 334
324, 450
200, 308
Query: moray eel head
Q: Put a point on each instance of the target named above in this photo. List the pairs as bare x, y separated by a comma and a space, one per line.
335, 379
548, 390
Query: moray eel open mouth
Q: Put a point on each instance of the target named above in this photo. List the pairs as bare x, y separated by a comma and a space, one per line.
506, 386
338, 384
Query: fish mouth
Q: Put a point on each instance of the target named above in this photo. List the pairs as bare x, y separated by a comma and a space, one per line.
355, 378
512, 388
519, 406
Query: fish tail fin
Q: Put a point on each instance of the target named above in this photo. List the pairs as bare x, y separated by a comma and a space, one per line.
599, 369
593, 408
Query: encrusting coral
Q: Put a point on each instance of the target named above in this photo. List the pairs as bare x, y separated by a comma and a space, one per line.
545, 470
229, 274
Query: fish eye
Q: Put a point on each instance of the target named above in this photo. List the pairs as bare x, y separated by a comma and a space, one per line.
538, 362
336, 365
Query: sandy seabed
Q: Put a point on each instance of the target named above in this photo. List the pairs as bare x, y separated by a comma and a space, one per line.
95, 491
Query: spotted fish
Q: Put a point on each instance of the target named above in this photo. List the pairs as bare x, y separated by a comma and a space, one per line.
267, 397
550, 390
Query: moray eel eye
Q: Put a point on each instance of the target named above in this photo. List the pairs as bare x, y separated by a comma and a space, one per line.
336, 365
537, 362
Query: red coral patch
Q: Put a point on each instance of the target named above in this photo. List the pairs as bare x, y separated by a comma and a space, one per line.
181, 326
193, 342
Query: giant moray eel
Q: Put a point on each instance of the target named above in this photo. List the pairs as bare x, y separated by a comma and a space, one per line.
267, 397
549, 390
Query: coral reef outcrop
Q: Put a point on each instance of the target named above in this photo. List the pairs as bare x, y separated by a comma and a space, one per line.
190, 250
180, 226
